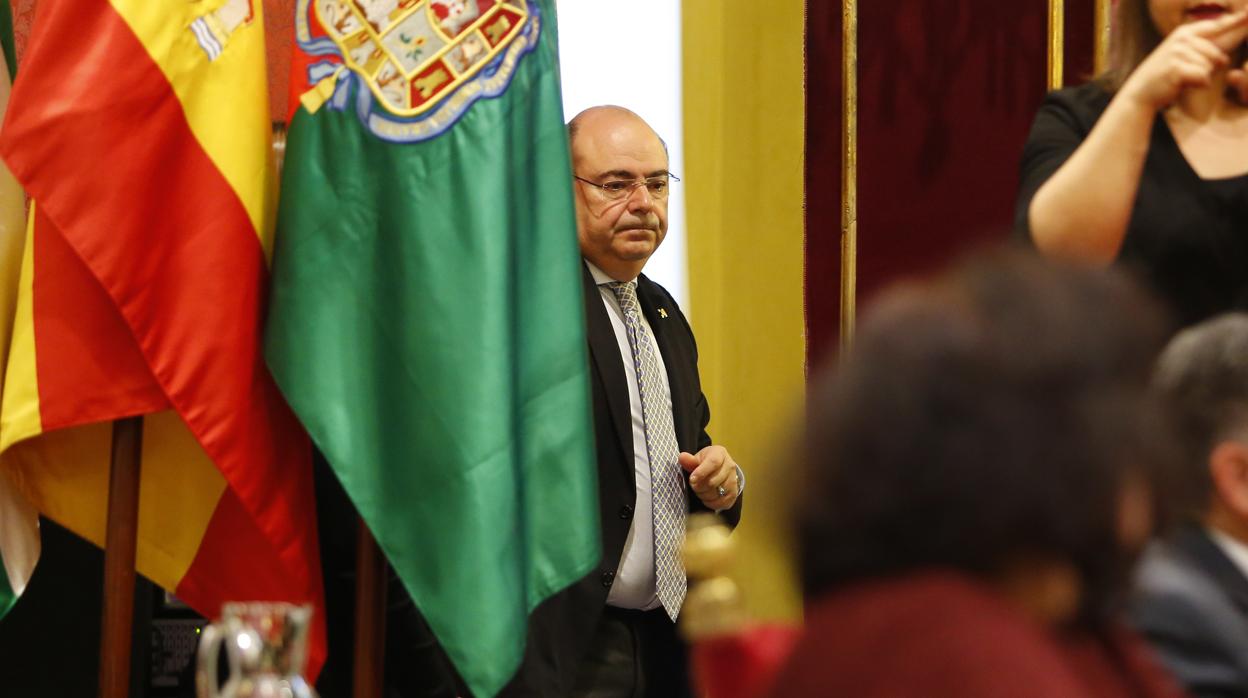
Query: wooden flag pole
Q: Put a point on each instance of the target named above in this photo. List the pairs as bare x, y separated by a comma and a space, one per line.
119, 554
370, 615
849, 171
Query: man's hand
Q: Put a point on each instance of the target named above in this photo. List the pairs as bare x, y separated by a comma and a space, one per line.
711, 469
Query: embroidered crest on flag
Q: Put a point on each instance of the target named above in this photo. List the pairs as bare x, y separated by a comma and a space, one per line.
417, 65
214, 29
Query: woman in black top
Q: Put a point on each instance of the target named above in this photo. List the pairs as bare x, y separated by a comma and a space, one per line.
1104, 179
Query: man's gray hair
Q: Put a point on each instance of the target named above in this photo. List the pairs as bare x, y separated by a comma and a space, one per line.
1202, 376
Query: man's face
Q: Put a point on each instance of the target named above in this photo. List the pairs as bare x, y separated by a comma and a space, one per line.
618, 235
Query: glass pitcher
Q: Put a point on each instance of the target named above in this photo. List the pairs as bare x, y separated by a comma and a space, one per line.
265, 646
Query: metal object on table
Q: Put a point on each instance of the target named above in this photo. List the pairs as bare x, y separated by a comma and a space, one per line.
266, 647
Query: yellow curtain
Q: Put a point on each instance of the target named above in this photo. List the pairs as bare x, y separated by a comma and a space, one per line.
744, 106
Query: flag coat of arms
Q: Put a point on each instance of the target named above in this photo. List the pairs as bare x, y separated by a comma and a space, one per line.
141, 292
427, 322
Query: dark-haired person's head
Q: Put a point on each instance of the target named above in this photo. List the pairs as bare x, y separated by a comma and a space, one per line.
1202, 378
995, 420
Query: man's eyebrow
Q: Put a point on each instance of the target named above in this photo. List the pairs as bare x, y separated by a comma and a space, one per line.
625, 174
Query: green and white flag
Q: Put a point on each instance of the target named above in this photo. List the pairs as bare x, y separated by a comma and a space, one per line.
426, 319
19, 522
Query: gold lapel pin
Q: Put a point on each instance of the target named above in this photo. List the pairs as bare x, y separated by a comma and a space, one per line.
662, 313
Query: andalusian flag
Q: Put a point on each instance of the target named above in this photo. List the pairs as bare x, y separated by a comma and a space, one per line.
19, 522
427, 317
141, 129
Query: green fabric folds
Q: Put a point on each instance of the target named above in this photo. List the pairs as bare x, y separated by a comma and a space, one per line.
426, 324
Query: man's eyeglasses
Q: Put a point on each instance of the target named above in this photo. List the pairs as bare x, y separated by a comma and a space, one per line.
618, 189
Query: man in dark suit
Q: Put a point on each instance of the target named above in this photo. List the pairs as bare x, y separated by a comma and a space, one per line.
613, 633
1191, 597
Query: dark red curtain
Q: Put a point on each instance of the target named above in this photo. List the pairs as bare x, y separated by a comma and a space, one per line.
947, 92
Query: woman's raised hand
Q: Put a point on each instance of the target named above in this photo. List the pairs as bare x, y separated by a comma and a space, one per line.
1187, 58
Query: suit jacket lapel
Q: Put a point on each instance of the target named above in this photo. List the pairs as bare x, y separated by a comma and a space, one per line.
1197, 544
673, 357
604, 350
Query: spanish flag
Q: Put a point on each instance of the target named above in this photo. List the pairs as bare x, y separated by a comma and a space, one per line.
140, 128
19, 523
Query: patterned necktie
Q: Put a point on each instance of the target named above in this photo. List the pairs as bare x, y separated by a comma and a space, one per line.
667, 483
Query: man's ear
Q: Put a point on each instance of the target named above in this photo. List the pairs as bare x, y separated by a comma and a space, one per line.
1228, 468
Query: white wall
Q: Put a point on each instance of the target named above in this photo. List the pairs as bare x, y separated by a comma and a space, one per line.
628, 53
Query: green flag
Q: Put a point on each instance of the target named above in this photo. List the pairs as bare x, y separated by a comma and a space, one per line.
426, 318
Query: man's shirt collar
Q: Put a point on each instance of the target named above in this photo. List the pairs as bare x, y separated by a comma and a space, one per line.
601, 277
1235, 549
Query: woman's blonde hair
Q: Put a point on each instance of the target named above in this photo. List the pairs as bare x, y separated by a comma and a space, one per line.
1134, 37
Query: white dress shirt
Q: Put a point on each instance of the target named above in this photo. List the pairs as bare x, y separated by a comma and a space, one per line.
635, 584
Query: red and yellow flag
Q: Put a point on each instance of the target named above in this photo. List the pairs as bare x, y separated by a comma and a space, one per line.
141, 128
